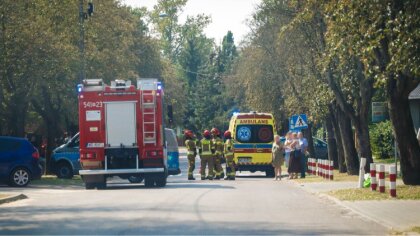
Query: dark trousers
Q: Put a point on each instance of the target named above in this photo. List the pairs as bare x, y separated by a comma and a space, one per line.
303, 164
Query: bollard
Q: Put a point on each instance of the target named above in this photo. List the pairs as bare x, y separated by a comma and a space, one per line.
317, 167
362, 172
374, 183
308, 169
325, 169
313, 166
309, 166
331, 170
381, 178
392, 181
322, 169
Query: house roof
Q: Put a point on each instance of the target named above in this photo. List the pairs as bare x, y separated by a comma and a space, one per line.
415, 94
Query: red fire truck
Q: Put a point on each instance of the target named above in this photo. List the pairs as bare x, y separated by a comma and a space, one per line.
121, 132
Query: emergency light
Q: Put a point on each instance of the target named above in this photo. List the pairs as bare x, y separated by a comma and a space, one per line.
79, 88
159, 86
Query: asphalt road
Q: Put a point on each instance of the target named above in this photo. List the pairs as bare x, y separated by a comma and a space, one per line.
252, 204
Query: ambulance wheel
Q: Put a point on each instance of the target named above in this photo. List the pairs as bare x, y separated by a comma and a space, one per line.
161, 182
149, 182
135, 179
269, 172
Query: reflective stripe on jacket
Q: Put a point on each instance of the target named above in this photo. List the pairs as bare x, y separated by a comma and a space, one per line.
228, 147
206, 145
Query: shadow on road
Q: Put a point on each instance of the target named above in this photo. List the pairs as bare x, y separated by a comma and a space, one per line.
117, 186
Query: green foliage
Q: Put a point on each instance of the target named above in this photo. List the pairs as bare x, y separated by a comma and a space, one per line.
382, 139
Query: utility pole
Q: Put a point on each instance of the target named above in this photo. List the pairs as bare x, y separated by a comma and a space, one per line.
82, 72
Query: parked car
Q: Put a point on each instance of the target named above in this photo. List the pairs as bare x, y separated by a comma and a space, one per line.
172, 152
320, 146
65, 159
19, 161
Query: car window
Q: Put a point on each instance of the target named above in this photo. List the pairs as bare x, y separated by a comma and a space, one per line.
254, 133
171, 138
319, 143
7, 145
74, 142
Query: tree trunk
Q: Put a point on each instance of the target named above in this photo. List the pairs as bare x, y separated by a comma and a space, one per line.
350, 154
51, 118
399, 89
332, 145
340, 149
308, 135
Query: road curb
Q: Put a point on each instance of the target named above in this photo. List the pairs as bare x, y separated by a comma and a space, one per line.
342, 204
13, 198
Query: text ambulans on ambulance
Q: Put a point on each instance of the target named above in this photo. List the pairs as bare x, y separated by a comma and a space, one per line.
121, 132
253, 135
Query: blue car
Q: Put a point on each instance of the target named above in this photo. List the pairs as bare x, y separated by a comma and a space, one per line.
172, 152
65, 159
19, 161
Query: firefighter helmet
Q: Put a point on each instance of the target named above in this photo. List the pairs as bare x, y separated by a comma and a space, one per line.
188, 133
206, 133
215, 131
227, 134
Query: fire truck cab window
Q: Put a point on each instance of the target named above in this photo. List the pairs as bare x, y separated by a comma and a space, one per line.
254, 133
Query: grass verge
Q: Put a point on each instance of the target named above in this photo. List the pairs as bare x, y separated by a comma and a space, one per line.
53, 180
390, 160
404, 192
340, 177
415, 229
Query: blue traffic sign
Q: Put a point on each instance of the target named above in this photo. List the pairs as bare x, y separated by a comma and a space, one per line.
298, 122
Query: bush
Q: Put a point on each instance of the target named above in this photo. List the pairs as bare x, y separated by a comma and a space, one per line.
382, 139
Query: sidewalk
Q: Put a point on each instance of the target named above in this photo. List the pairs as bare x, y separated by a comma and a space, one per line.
400, 215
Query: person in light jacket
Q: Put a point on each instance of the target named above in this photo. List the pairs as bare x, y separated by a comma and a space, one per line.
278, 157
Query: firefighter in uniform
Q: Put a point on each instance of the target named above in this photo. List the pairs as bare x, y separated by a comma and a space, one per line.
206, 155
191, 152
218, 153
228, 150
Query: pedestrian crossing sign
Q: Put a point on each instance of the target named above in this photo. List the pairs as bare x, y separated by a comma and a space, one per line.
298, 122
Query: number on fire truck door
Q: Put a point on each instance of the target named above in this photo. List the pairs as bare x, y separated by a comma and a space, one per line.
120, 124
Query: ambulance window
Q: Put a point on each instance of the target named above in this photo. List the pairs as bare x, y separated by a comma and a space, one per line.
244, 133
254, 133
264, 133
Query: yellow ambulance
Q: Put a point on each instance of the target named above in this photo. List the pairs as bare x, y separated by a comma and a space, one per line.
253, 134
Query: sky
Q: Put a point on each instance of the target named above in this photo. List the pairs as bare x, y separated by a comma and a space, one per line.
226, 15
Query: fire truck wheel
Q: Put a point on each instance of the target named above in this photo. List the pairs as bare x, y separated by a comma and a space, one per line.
149, 182
64, 171
135, 179
90, 185
161, 182
101, 185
